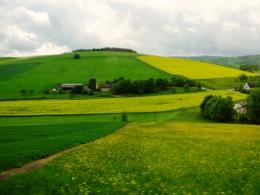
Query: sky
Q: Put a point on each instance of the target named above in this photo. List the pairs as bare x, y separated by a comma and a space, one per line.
160, 27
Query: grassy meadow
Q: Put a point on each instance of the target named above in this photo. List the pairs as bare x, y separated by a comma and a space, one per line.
46, 72
109, 105
154, 158
22, 144
165, 147
192, 69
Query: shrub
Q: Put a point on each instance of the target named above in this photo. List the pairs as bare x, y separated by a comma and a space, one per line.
46, 91
23, 92
124, 117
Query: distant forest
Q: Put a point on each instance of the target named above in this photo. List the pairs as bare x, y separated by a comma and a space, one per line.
107, 49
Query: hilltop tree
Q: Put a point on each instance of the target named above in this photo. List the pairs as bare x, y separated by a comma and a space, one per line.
76, 56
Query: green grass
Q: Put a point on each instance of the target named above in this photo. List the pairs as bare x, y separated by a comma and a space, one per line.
220, 83
22, 144
45, 72
154, 158
189, 114
109, 105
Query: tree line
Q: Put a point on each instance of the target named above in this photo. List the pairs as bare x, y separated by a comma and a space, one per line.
107, 49
128, 86
221, 109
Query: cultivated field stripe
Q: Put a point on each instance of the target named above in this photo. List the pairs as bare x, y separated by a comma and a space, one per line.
110, 105
192, 69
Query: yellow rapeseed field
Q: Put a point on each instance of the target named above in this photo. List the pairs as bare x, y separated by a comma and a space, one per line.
109, 105
192, 69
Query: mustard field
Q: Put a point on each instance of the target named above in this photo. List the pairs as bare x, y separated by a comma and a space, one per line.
192, 69
110, 105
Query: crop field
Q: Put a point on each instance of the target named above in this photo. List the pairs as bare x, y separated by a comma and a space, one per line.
22, 144
154, 158
109, 105
37, 74
188, 114
192, 69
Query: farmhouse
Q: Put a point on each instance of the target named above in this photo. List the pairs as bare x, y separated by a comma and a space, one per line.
68, 87
241, 107
105, 87
249, 86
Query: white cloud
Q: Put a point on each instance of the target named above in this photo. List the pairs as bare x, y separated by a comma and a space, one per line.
167, 27
41, 18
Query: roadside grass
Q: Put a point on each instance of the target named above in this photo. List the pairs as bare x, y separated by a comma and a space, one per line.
154, 158
22, 144
192, 69
109, 105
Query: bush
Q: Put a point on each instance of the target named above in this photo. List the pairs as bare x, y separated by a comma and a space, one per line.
243, 118
76, 56
23, 92
217, 108
124, 117
254, 106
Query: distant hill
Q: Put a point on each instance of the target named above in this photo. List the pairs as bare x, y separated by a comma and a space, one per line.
230, 61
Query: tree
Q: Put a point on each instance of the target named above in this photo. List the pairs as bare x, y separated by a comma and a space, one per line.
243, 78
76, 56
217, 108
254, 106
92, 84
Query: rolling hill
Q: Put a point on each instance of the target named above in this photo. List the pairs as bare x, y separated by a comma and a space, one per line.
44, 72
192, 69
230, 61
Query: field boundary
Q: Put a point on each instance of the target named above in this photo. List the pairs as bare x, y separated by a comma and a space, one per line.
43, 161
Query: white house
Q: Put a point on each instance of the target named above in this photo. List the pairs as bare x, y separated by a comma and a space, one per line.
241, 107
249, 86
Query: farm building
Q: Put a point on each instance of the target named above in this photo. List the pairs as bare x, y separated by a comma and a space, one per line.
68, 87
241, 107
249, 86
105, 87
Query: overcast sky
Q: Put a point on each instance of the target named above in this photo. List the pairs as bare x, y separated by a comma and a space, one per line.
163, 27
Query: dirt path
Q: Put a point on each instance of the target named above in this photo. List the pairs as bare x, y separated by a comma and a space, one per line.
36, 164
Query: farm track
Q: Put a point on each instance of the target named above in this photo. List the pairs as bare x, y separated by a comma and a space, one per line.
39, 163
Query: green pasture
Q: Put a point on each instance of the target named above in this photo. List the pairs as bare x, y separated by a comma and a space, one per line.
22, 144
154, 158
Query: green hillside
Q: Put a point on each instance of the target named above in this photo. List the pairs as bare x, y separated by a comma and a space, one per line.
44, 72
231, 61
